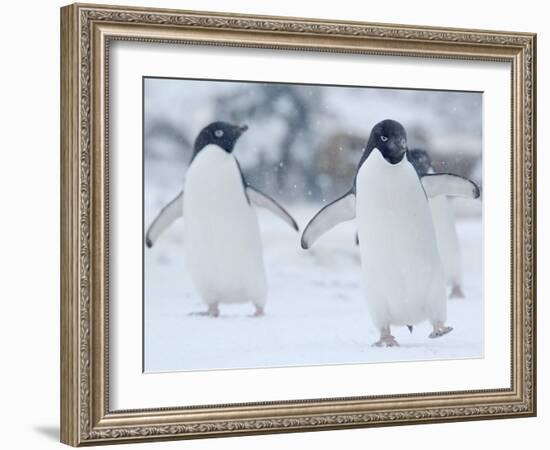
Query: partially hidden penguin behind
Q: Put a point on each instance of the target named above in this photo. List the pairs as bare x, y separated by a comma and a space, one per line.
222, 242
445, 227
403, 275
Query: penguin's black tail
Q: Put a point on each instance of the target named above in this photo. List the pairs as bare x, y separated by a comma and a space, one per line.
410, 327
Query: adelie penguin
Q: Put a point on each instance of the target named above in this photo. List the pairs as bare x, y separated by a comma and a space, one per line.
403, 276
445, 228
222, 241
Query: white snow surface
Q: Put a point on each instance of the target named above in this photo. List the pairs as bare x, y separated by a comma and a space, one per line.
315, 313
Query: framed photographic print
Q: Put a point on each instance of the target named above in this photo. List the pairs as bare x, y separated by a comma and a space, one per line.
275, 224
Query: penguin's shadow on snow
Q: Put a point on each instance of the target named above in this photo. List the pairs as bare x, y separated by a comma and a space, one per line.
197, 315
386, 351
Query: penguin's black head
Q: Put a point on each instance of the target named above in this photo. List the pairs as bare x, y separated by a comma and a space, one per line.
420, 160
390, 138
222, 134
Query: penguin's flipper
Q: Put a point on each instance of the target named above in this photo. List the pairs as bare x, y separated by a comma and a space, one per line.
449, 184
262, 200
165, 218
340, 210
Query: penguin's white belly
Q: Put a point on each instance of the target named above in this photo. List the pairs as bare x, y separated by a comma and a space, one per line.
399, 256
222, 238
447, 238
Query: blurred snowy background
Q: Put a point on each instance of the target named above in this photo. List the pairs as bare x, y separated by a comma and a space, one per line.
302, 148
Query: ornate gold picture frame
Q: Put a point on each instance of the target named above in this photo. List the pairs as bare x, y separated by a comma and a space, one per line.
87, 33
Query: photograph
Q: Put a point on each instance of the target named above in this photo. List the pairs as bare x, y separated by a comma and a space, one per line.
294, 224
282, 224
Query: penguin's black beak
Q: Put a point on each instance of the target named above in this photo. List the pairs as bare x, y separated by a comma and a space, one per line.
243, 128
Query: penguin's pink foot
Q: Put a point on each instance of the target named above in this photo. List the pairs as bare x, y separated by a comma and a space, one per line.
259, 312
456, 292
212, 311
441, 331
386, 341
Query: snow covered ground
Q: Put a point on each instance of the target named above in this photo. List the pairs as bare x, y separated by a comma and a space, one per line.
315, 314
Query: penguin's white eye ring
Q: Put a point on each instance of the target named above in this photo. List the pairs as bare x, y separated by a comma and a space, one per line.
384, 138
218, 133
